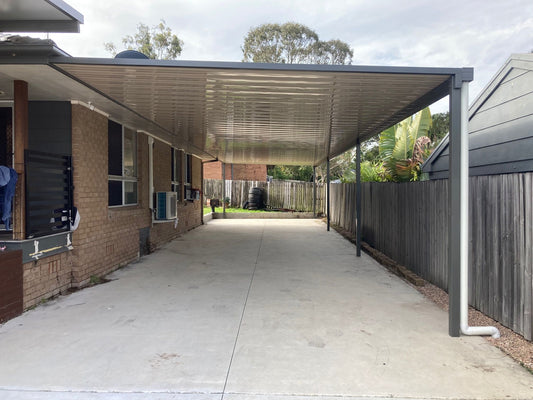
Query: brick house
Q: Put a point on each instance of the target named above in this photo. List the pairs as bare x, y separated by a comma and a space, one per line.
106, 161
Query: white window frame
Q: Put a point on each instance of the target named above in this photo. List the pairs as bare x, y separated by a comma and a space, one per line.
123, 178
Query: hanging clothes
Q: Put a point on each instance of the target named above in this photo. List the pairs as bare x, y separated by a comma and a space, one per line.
8, 182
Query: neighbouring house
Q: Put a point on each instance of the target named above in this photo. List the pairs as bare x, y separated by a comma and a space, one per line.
500, 125
237, 172
131, 188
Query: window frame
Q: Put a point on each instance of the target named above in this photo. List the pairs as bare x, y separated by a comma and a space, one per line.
124, 178
187, 180
176, 176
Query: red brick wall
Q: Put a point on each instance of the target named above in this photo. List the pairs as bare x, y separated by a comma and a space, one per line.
241, 172
249, 172
213, 170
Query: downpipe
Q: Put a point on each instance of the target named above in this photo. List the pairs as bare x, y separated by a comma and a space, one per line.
465, 329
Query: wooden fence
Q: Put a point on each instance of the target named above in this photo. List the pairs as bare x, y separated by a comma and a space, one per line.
291, 195
409, 223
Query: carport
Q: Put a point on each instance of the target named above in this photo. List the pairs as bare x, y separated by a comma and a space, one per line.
274, 114
262, 113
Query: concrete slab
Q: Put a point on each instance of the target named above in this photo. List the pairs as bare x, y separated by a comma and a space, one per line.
250, 309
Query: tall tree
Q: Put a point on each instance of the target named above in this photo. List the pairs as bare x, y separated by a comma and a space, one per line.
157, 42
292, 43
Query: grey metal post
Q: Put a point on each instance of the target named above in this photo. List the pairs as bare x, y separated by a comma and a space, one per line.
314, 191
358, 196
454, 207
327, 193
224, 190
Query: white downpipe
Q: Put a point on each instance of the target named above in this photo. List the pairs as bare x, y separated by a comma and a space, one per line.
465, 329
151, 172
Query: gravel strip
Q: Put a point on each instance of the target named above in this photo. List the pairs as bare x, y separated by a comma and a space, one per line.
511, 343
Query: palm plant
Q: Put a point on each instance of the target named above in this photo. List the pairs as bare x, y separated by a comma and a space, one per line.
404, 147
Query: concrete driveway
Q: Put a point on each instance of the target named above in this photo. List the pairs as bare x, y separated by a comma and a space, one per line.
250, 310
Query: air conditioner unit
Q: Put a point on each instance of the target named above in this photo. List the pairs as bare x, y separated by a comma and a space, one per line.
166, 205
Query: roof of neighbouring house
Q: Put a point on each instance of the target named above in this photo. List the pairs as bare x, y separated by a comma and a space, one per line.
39, 16
500, 124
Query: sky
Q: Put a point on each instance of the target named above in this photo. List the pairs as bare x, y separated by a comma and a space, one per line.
419, 33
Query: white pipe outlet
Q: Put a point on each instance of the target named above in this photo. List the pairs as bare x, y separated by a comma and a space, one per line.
465, 329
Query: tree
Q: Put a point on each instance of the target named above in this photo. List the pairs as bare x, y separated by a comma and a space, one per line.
292, 43
157, 42
404, 147
439, 127
291, 172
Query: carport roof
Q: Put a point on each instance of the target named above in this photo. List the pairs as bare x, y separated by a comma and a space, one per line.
244, 112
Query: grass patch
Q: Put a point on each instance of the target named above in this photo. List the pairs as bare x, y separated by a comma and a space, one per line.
207, 210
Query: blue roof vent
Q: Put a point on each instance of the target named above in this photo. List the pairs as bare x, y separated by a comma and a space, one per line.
131, 54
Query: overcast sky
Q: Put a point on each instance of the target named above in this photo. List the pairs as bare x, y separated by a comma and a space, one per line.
437, 33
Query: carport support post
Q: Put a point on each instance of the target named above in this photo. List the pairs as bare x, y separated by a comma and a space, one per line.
358, 196
223, 190
314, 191
327, 192
455, 234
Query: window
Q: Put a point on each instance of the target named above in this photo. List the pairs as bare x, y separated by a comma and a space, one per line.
122, 165
176, 168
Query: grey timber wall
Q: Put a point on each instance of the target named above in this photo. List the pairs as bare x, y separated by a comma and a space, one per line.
409, 223
500, 130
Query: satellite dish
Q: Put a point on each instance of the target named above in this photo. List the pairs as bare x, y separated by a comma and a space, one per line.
131, 54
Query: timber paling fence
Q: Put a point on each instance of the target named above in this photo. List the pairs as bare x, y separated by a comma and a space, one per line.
409, 223
290, 195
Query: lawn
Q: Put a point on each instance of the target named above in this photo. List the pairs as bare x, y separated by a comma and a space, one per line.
207, 210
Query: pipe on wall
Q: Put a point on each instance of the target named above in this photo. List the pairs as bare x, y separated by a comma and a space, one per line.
465, 329
151, 172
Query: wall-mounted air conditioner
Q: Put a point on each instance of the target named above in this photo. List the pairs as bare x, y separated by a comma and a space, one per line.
166, 205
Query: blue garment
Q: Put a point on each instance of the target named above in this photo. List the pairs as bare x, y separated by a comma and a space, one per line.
8, 189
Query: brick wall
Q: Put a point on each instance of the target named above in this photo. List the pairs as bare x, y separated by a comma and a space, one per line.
107, 238
189, 212
242, 172
213, 170
249, 172
46, 277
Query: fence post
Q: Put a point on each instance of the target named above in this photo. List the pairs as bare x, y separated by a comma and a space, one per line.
224, 190
327, 193
314, 191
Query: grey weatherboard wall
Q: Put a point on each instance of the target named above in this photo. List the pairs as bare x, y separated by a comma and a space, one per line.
500, 125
